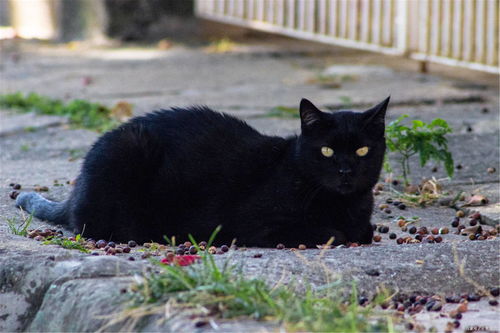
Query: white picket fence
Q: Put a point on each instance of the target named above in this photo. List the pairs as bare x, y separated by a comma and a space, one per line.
455, 32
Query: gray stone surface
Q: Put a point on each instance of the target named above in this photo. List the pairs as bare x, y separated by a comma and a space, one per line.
47, 288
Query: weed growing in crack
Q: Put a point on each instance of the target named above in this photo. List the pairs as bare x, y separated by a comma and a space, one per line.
20, 229
77, 244
81, 113
222, 290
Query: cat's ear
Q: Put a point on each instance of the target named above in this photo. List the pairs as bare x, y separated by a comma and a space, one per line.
375, 117
309, 114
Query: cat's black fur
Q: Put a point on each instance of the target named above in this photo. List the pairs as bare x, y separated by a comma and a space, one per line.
186, 171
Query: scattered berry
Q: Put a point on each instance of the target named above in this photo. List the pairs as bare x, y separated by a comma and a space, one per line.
402, 206
491, 170
392, 235
302, 247
473, 297
383, 229
101, 244
412, 230
400, 240
460, 213
455, 222
444, 231
16, 186
495, 291
193, 249
280, 246
13, 195
132, 243
112, 244
224, 248
493, 302
435, 231
377, 238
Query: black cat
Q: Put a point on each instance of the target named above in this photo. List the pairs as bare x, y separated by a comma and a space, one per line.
186, 171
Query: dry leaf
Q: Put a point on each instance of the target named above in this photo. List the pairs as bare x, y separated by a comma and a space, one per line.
477, 200
122, 111
477, 229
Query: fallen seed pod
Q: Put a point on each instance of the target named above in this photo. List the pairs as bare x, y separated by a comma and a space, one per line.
444, 231
462, 307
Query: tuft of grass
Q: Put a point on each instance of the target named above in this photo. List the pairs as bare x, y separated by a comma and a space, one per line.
77, 244
283, 112
25, 147
20, 229
225, 292
346, 102
81, 113
222, 45
331, 81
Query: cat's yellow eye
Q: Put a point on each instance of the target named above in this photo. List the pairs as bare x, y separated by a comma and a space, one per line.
327, 151
362, 151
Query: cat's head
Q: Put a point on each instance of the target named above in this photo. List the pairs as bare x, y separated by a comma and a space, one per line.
342, 150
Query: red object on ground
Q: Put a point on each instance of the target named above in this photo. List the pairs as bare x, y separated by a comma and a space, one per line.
184, 260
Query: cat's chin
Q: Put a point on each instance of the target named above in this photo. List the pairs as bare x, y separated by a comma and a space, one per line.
345, 189
342, 189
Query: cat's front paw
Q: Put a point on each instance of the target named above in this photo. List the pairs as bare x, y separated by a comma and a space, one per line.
362, 235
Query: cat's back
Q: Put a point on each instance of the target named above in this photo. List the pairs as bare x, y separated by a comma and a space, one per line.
200, 130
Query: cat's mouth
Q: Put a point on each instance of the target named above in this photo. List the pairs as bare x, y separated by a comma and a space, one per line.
345, 187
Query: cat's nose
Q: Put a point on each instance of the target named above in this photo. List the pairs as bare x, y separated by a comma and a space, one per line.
345, 171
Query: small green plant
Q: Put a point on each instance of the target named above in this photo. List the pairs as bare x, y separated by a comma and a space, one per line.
222, 45
20, 229
77, 244
425, 139
281, 111
346, 102
81, 113
224, 291
25, 147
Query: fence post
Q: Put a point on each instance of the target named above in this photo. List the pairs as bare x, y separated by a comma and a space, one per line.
402, 27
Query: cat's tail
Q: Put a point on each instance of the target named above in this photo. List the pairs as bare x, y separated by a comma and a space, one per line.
42, 208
